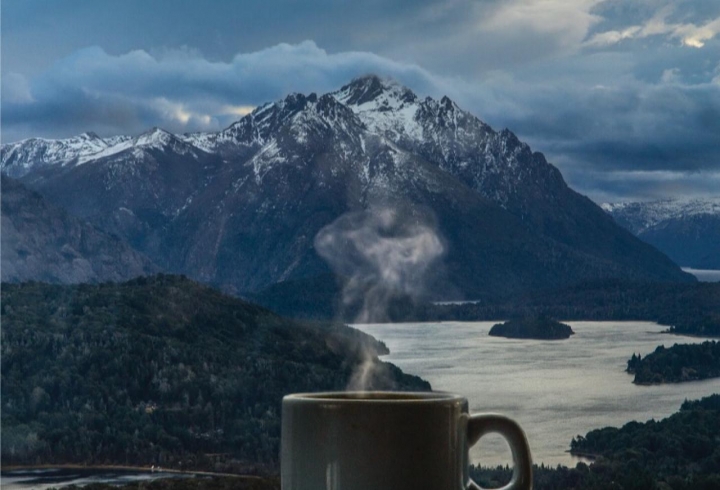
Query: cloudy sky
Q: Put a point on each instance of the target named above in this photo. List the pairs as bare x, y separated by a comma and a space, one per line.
622, 95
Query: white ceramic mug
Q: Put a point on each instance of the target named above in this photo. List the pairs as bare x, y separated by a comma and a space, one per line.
388, 441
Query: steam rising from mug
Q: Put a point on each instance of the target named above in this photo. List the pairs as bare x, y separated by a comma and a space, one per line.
382, 252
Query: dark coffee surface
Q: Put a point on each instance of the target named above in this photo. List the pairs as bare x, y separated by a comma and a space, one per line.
376, 396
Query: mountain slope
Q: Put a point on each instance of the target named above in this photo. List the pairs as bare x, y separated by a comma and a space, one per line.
133, 188
241, 208
43, 243
498, 166
687, 231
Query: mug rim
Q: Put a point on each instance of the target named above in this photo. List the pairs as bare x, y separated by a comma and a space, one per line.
375, 397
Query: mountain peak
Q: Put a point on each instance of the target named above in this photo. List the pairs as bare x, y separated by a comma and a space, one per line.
89, 135
369, 88
154, 137
154, 131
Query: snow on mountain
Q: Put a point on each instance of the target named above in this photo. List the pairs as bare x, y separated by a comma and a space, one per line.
154, 139
241, 206
439, 131
496, 164
640, 216
301, 114
386, 107
18, 158
114, 140
688, 230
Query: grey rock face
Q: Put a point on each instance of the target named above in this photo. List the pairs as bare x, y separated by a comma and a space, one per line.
42, 242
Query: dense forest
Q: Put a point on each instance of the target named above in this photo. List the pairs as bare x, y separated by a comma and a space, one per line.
162, 371
540, 327
687, 308
707, 325
681, 362
681, 452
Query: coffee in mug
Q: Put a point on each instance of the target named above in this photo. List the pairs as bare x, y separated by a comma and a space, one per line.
389, 441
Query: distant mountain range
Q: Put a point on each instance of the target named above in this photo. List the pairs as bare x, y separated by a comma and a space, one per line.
241, 208
688, 231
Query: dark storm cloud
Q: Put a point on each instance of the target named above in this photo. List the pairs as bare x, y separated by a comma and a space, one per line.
36, 32
180, 91
618, 94
667, 126
597, 118
469, 36
616, 186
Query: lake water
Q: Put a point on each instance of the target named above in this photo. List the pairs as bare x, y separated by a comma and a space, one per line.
41, 479
554, 389
704, 275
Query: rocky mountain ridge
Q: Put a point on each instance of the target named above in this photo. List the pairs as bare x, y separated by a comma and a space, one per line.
241, 208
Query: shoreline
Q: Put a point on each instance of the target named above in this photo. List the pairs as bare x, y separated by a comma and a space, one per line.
693, 335
579, 454
682, 381
144, 469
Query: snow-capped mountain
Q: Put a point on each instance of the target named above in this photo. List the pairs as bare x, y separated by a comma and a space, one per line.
639, 216
440, 131
241, 207
19, 158
688, 231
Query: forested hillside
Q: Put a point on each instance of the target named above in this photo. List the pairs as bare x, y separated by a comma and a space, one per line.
162, 371
681, 362
680, 452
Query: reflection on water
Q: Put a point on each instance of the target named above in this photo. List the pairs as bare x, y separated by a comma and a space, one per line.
554, 389
42, 479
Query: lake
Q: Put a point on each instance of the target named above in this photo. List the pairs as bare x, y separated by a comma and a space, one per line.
554, 389
704, 275
44, 478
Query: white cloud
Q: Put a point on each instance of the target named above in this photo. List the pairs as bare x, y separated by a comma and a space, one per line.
240, 110
671, 75
689, 34
570, 21
608, 38
15, 88
697, 36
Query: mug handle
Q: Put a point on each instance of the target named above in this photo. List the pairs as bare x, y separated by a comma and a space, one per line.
479, 425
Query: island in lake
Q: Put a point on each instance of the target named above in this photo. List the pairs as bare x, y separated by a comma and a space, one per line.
681, 362
540, 327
